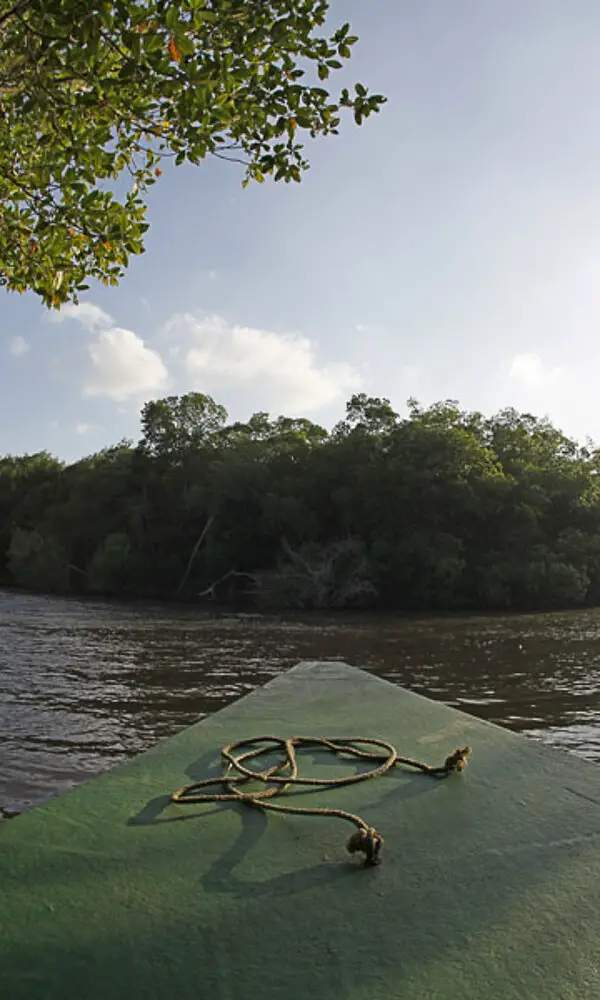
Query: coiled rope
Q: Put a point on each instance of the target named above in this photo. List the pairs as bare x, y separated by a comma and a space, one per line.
276, 779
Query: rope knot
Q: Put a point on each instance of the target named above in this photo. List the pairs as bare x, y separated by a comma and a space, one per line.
458, 760
368, 841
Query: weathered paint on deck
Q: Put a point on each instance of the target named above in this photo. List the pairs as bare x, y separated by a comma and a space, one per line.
488, 888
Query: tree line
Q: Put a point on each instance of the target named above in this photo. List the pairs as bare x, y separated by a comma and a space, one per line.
442, 509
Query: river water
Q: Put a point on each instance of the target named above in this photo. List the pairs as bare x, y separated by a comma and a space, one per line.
84, 685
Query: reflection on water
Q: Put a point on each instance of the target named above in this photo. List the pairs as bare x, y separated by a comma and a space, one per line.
86, 684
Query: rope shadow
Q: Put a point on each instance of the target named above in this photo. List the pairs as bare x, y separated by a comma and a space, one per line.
152, 811
221, 877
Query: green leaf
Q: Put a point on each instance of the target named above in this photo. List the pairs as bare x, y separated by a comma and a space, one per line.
152, 42
172, 17
185, 44
128, 69
106, 16
303, 120
200, 15
279, 29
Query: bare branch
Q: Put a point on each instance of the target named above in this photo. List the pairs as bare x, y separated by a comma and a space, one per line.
210, 591
230, 159
76, 569
297, 558
194, 553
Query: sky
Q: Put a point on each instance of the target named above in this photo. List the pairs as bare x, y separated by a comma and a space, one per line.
447, 249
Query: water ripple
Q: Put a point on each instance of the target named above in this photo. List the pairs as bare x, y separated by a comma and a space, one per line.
84, 685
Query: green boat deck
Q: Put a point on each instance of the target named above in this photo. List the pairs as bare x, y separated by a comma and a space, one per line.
488, 887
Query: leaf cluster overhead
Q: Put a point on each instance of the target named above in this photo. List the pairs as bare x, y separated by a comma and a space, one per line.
93, 95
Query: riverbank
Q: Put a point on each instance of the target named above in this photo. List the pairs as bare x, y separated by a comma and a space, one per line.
211, 609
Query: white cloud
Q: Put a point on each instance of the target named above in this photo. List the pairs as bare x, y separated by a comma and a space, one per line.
86, 313
18, 346
122, 367
275, 370
529, 370
281, 369
83, 428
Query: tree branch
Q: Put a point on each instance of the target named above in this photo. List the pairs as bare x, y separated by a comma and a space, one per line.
230, 159
298, 559
195, 552
16, 9
76, 569
230, 572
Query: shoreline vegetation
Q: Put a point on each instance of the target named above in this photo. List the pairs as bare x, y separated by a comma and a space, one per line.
442, 510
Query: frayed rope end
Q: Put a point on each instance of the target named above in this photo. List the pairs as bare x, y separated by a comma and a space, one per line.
368, 841
458, 760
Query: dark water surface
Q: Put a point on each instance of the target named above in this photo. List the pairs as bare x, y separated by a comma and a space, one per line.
84, 685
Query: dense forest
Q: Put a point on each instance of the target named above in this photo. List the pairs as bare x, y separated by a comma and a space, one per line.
442, 509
